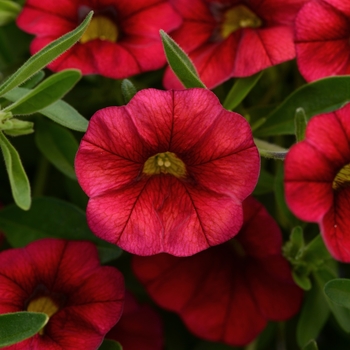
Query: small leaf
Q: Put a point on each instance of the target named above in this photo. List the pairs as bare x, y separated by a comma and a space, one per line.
316, 252
300, 124
8, 11
60, 111
18, 326
311, 345
19, 182
46, 93
58, 145
310, 326
109, 344
240, 90
318, 97
297, 237
269, 150
45, 56
180, 63
302, 281
338, 291
128, 90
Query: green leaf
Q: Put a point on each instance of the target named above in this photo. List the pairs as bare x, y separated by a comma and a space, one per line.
34, 80
58, 145
310, 326
316, 252
62, 220
311, 345
60, 111
318, 97
109, 344
265, 183
128, 90
19, 182
240, 90
180, 63
269, 150
46, 93
18, 326
45, 56
338, 291
8, 11
302, 281
300, 124
108, 253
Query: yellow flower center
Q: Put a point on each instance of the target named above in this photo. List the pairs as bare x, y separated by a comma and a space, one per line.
43, 304
342, 178
165, 163
100, 27
239, 17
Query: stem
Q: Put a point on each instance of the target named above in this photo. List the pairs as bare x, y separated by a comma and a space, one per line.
41, 177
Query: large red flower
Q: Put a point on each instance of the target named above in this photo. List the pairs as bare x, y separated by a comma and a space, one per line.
234, 38
64, 280
317, 179
139, 328
167, 172
322, 32
122, 39
227, 293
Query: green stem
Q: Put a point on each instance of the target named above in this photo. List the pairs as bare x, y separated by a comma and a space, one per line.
41, 177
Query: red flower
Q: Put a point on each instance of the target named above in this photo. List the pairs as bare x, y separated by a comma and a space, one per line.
317, 179
322, 39
229, 292
64, 280
139, 328
167, 172
234, 38
121, 40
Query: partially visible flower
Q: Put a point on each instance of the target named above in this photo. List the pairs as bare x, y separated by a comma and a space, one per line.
322, 32
234, 38
317, 179
167, 172
227, 293
122, 39
64, 280
139, 328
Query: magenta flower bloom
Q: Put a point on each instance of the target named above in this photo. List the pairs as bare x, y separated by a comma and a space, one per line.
234, 38
64, 280
139, 328
227, 293
317, 178
167, 172
322, 32
121, 40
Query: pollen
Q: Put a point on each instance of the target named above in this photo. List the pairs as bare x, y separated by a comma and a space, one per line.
43, 304
239, 17
342, 179
102, 28
165, 163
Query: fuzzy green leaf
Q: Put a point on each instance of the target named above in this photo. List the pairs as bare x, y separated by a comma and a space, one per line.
60, 111
18, 326
58, 145
240, 90
180, 63
318, 97
19, 182
45, 56
128, 90
46, 93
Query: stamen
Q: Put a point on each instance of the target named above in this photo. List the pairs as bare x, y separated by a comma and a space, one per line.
100, 27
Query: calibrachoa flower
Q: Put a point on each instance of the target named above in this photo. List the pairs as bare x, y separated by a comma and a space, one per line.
317, 179
121, 40
322, 32
234, 38
139, 328
167, 172
64, 280
227, 293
